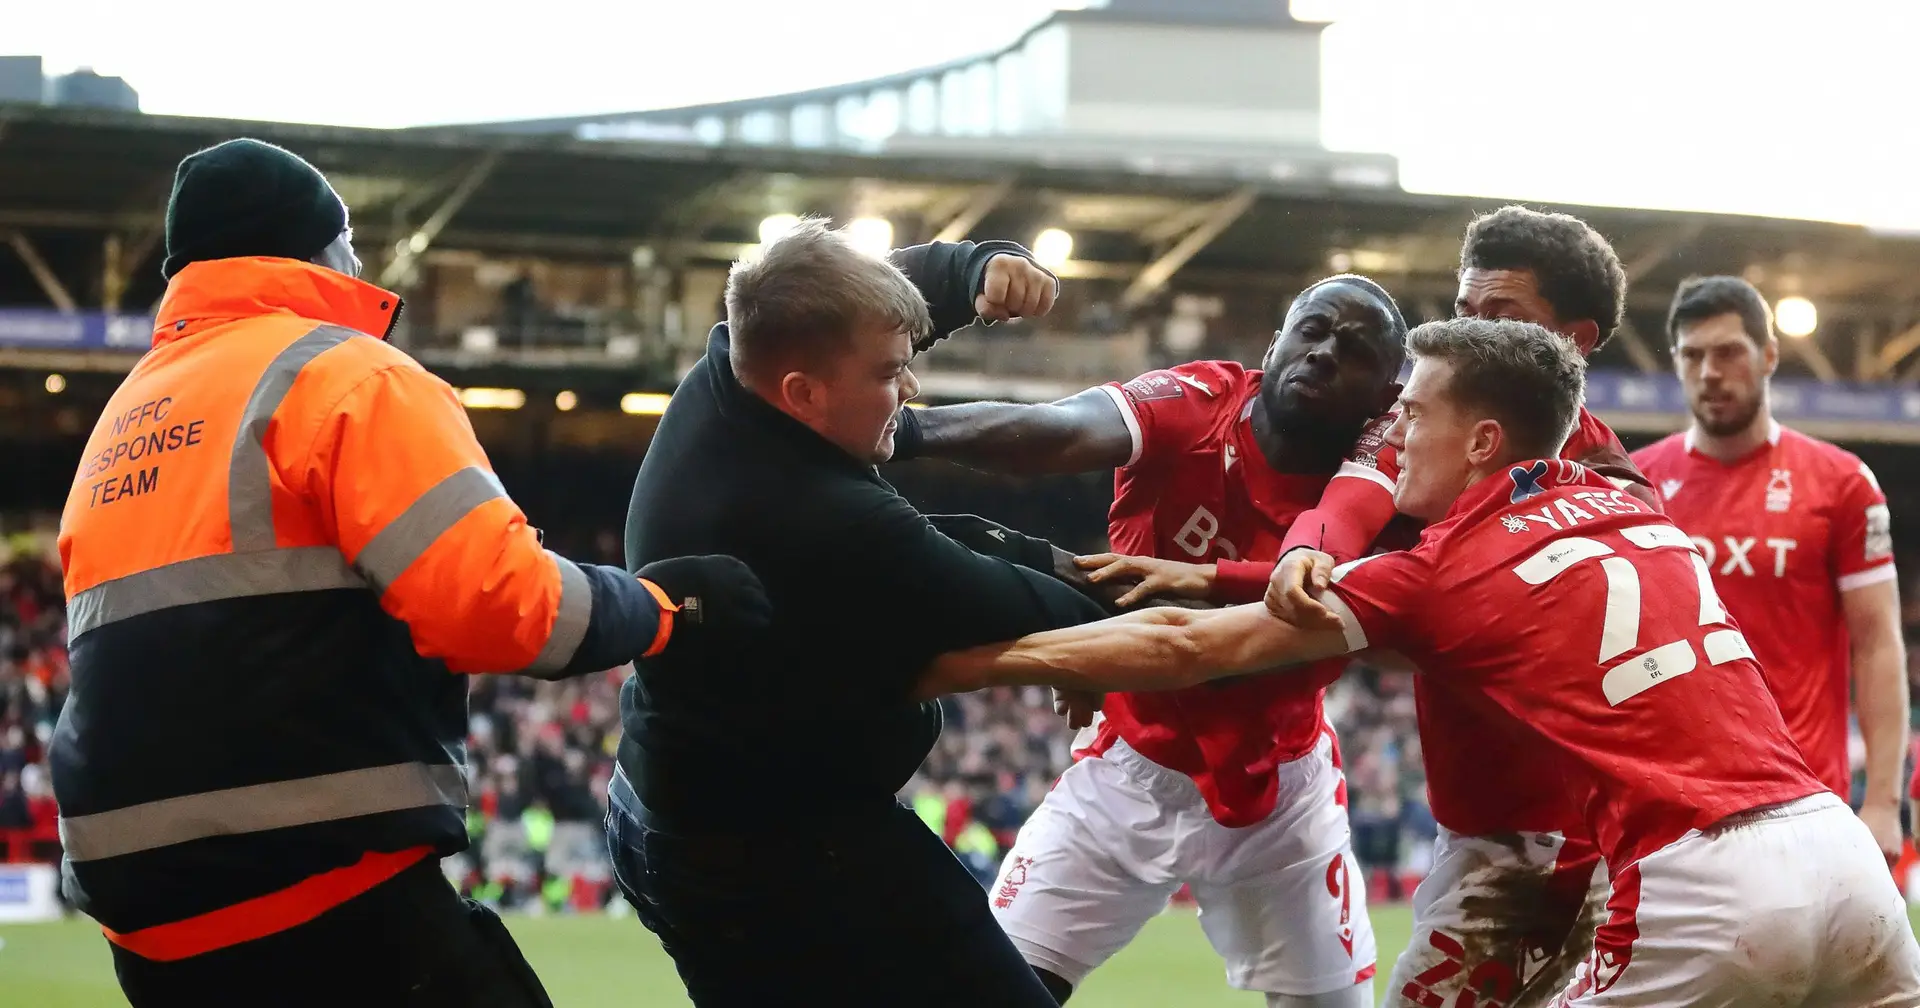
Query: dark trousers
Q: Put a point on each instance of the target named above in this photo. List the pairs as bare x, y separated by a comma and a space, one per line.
874, 912
411, 940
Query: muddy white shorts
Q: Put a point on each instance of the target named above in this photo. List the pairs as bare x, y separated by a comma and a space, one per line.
1787, 906
1281, 900
1500, 921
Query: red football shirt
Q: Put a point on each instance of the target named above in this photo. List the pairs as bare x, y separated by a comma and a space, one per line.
1786, 530
1197, 489
1483, 777
1580, 616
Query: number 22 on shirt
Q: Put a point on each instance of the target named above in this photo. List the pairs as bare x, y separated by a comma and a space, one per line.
1625, 609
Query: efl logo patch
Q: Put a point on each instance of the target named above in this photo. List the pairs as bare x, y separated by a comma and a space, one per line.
1879, 537
1374, 436
1526, 482
1158, 385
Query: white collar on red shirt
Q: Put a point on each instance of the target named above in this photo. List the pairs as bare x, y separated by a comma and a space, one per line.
1773, 433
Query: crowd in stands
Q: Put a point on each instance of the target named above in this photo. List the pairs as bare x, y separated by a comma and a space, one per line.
33, 685
541, 754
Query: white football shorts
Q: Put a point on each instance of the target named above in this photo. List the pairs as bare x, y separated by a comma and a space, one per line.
1281, 901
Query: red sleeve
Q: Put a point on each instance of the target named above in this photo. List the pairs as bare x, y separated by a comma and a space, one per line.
1593, 444
1380, 598
1358, 501
1172, 410
1353, 509
1862, 552
1350, 516
1237, 582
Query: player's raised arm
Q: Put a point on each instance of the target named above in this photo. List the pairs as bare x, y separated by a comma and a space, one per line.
967, 281
1152, 649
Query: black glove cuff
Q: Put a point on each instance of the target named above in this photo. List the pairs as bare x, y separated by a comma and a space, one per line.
907, 438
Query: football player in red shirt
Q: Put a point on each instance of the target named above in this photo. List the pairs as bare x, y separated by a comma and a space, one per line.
1558, 606
1499, 918
1234, 789
1796, 533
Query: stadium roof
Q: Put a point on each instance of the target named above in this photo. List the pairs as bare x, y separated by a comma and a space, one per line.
1210, 13
70, 177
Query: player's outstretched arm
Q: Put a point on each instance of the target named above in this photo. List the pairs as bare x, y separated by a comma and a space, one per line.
1081, 433
1152, 649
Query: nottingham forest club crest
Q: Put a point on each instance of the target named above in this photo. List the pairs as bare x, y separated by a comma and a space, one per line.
1780, 491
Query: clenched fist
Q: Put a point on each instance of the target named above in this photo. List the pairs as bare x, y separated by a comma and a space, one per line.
1014, 287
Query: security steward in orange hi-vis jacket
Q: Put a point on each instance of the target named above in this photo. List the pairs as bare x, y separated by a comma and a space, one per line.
284, 549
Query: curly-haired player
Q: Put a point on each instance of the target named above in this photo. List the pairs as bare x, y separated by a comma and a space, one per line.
1507, 910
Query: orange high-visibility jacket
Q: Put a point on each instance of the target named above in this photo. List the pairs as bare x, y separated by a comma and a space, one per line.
281, 548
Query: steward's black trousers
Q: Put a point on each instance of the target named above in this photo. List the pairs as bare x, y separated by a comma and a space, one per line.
410, 941
868, 911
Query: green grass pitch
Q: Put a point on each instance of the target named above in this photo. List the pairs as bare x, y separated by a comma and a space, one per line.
588, 961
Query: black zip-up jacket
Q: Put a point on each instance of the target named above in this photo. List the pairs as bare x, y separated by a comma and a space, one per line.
816, 718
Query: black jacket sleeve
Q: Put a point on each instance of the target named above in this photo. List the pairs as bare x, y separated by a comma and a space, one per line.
922, 594
949, 275
996, 540
993, 539
624, 621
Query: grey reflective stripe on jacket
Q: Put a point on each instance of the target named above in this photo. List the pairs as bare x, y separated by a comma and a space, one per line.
258, 566
259, 807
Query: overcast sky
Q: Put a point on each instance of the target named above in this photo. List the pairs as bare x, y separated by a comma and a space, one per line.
1782, 107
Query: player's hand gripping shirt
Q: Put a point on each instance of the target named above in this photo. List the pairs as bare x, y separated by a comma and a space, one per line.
1785, 531
1585, 618
1197, 489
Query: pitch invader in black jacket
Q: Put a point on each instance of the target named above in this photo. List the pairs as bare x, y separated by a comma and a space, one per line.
754, 823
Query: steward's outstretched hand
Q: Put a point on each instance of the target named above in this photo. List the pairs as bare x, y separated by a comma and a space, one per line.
711, 594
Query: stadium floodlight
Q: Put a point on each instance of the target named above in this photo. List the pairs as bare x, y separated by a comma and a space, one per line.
56, 383
644, 403
872, 235
1052, 248
566, 400
492, 398
1796, 317
775, 225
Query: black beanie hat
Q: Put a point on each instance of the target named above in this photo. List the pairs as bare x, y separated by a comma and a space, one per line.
247, 198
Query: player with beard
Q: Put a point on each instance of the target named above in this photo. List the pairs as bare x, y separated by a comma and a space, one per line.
1234, 789
1796, 533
